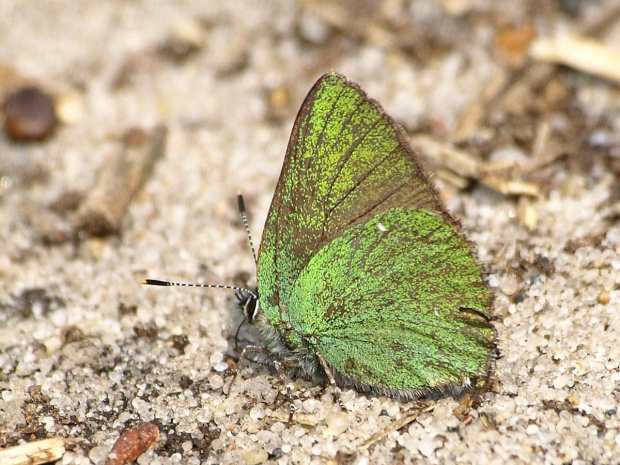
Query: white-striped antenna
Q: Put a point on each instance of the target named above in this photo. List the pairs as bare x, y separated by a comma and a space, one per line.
158, 282
244, 290
244, 218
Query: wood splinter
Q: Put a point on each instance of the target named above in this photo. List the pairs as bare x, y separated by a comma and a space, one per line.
104, 208
34, 453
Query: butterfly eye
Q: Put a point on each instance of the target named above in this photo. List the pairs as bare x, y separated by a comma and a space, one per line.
250, 309
248, 303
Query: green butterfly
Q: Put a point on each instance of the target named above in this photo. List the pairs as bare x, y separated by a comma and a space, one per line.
364, 279
362, 274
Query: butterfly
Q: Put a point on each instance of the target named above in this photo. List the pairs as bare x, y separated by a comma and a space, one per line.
364, 279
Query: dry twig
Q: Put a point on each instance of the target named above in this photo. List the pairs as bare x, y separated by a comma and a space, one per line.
34, 453
103, 210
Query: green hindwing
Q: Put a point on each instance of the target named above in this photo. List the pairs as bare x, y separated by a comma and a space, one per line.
403, 309
413, 322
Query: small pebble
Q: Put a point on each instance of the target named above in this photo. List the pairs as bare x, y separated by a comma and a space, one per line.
278, 101
48, 423
236, 57
132, 443
572, 186
591, 275
310, 405
52, 344
456, 7
427, 448
98, 454
220, 366
30, 114
560, 382
190, 31
528, 215
508, 284
216, 381
71, 333
337, 423
258, 412
216, 357
603, 297
512, 43
531, 429
70, 108
254, 457
265, 436
393, 410
312, 29
124, 417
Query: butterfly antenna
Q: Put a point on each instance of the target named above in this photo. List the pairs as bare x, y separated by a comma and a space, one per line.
244, 290
244, 218
157, 282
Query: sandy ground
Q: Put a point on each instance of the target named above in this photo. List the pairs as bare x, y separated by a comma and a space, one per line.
86, 352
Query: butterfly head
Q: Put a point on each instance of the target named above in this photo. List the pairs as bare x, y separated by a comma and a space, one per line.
248, 302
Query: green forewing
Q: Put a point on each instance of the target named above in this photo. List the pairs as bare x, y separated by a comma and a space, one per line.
325, 263
345, 162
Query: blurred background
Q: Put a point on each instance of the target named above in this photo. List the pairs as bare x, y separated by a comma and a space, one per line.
128, 127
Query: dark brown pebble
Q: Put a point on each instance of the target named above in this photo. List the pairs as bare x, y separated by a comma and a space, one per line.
30, 114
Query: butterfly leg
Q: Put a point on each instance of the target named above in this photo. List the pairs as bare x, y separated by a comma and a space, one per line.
332, 381
244, 356
287, 386
286, 381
